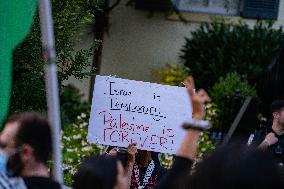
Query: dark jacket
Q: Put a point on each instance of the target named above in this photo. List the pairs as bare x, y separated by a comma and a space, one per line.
276, 149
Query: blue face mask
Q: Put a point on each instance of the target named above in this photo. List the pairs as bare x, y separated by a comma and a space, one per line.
3, 163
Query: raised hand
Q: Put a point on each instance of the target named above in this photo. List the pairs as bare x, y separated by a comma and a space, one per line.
131, 150
197, 98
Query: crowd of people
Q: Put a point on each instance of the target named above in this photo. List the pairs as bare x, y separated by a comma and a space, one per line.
25, 146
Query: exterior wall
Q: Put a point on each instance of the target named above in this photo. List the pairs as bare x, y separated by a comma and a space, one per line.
136, 46
280, 20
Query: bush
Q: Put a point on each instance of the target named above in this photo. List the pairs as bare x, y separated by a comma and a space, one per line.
212, 113
174, 74
217, 48
232, 86
76, 147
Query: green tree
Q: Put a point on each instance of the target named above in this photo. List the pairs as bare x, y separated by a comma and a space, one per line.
70, 17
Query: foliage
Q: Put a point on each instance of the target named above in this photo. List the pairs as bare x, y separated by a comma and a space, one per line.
76, 147
212, 113
173, 74
217, 48
167, 160
72, 104
231, 85
206, 145
70, 17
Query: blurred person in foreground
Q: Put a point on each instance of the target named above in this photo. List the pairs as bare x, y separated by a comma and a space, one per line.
105, 171
25, 144
235, 166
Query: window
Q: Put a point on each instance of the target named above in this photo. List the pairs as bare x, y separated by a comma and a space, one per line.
257, 9
219, 7
261, 9
161, 5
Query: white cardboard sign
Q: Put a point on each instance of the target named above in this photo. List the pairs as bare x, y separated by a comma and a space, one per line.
127, 111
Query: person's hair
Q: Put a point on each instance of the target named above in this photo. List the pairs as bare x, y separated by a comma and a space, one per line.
124, 157
237, 166
276, 105
96, 172
35, 131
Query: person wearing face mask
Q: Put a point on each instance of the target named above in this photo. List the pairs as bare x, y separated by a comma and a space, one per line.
25, 144
5, 181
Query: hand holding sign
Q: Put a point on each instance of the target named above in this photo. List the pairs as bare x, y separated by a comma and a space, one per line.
131, 150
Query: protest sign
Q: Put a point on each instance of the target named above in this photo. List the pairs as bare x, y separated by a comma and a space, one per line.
127, 111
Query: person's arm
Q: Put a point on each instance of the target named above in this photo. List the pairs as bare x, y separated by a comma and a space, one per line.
188, 148
183, 162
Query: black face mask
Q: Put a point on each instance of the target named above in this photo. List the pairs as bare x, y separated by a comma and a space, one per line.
15, 164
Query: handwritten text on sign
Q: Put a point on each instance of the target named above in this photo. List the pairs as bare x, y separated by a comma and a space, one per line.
126, 111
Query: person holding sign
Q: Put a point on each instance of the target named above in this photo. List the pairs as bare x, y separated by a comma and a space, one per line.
146, 169
105, 171
147, 173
